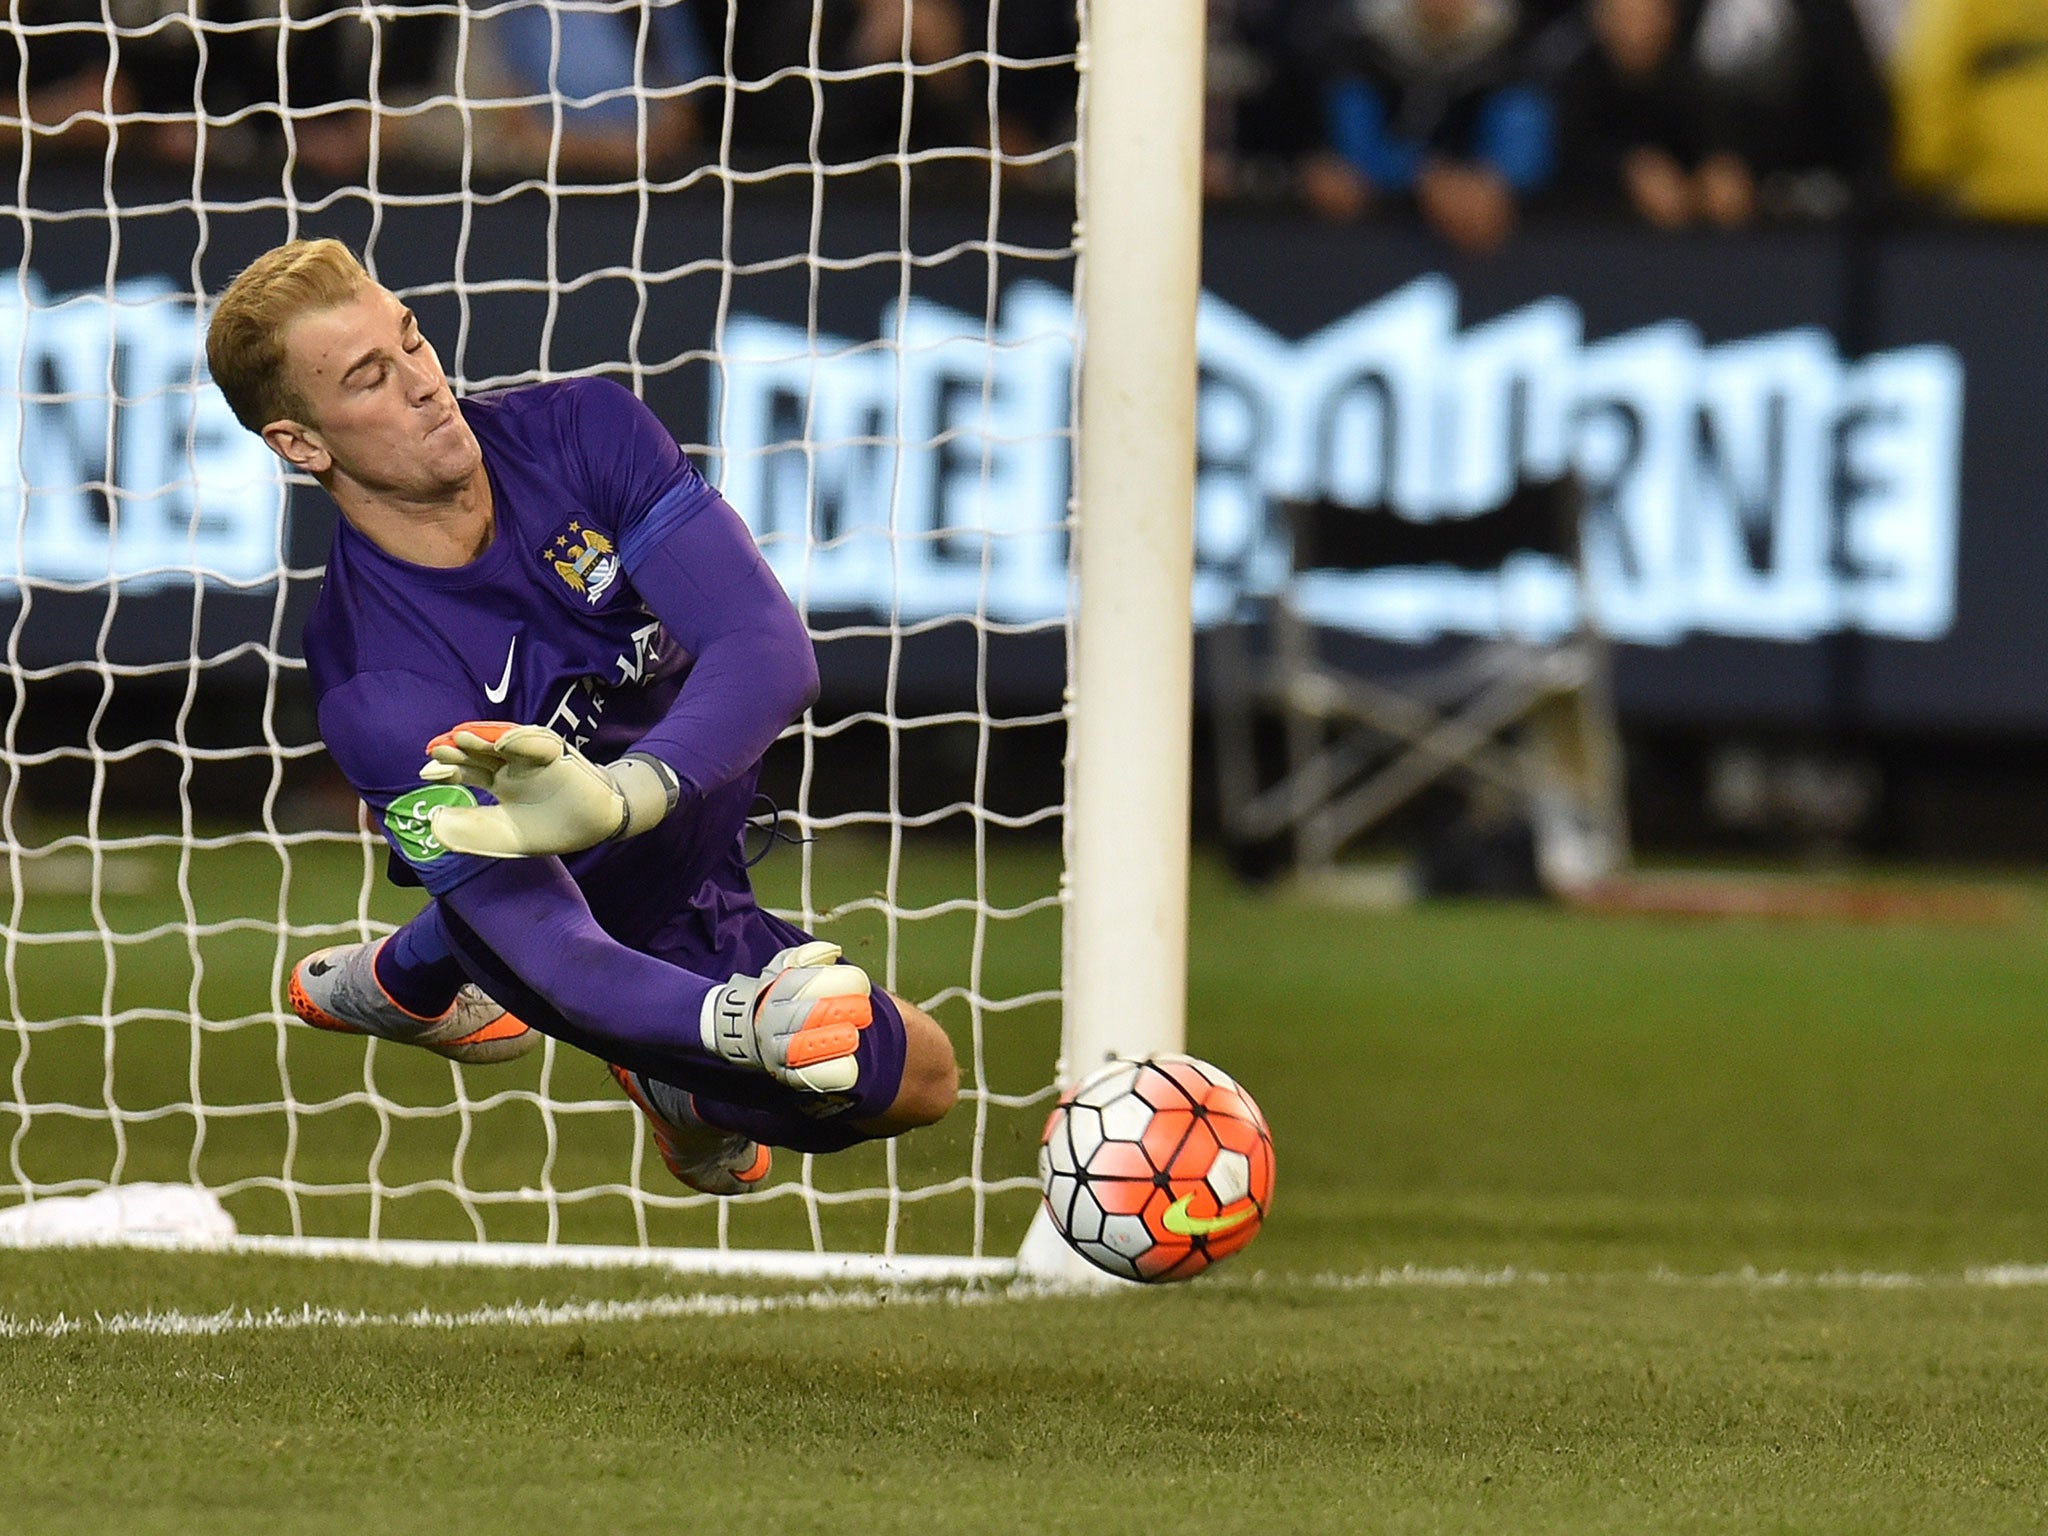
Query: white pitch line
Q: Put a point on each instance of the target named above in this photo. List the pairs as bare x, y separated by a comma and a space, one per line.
539, 1315
839, 1299
1459, 1277
2008, 1276
1426, 1277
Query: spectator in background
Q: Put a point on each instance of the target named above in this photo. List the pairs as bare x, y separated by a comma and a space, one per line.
64, 75
1973, 105
1636, 127
1035, 96
858, 74
843, 69
317, 82
72, 78
76, 74
1883, 23
1427, 99
601, 64
1796, 88
1265, 116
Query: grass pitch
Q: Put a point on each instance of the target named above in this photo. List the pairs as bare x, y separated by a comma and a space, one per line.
1622, 1406
1695, 1220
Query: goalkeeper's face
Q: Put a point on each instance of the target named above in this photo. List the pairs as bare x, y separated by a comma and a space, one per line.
383, 414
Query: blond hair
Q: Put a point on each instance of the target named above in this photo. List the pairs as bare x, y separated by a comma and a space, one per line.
245, 341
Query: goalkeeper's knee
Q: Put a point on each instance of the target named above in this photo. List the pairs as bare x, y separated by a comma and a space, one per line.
931, 1076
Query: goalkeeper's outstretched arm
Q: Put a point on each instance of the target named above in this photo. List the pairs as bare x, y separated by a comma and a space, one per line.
753, 672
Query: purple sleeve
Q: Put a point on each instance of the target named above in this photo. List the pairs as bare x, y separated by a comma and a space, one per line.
695, 566
754, 670
535, 920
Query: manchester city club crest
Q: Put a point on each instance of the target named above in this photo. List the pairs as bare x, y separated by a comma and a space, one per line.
585, 559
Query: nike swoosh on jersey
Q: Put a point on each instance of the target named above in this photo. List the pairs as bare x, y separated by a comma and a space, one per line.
1177, 1220
497, 695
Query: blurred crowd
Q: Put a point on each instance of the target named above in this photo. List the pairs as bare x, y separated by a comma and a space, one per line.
595, 90
1673, 112
1469, 112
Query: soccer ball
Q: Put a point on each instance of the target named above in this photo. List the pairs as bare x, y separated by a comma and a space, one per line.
1153, 1170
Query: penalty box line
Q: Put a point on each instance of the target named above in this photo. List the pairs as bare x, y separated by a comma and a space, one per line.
238, 1320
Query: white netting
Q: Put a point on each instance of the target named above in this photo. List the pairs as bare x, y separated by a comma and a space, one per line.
831, 243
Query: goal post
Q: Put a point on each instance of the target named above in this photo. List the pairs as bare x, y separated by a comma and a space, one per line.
1133, 646
144, 1042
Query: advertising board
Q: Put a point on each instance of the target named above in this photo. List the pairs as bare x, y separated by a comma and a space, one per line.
1808, 459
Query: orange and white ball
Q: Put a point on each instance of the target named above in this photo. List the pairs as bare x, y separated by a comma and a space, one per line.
1154, 1170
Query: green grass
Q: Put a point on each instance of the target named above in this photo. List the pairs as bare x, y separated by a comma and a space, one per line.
1468, 1083
1627, 1111
1617, 1406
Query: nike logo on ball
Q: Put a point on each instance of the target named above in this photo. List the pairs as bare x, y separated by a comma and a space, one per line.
1179, 1222
497, 695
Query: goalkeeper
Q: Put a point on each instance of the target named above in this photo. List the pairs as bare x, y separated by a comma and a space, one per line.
548, 657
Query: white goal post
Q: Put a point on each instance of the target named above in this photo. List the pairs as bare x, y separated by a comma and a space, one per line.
144, 948
1132, 670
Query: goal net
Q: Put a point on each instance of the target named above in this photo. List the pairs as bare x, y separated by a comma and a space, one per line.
832, 245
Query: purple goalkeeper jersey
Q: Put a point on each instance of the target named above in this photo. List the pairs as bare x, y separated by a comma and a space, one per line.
622, 604
548, 626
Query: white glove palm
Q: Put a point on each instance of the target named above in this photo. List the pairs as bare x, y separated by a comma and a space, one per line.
551, 798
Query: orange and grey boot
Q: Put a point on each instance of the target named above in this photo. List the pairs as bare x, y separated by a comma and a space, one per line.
709, 1160
337, 988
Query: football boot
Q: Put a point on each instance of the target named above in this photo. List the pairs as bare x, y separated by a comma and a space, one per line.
707, 1159
337, 988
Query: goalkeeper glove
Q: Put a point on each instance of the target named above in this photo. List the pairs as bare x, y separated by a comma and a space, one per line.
551, 798
799, 1020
